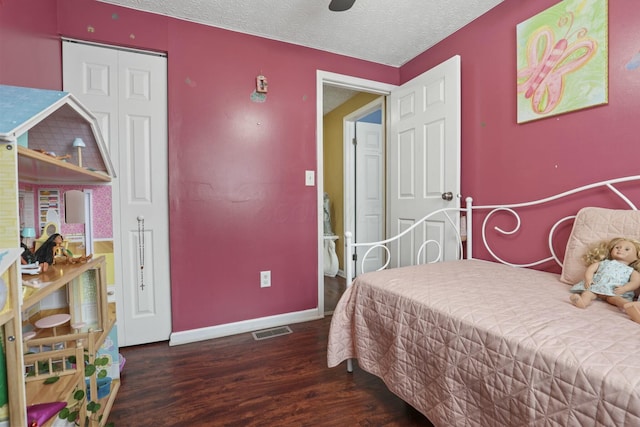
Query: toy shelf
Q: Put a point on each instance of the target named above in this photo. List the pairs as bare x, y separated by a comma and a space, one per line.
57, 276
39, 167
88, 334
56, 362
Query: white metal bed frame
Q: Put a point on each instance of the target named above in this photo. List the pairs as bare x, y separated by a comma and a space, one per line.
468, 210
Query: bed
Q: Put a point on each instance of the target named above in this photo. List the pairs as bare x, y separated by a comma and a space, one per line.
473, 342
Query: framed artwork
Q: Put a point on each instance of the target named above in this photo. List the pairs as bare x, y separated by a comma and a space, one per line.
562, 59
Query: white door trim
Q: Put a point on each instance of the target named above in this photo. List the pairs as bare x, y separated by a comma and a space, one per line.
350, 82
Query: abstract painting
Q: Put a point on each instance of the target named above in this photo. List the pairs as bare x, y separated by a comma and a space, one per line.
562, 59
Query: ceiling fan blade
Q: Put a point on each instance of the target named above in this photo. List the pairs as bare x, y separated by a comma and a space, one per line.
340, 5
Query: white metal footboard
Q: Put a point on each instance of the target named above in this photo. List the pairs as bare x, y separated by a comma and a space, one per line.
451, 222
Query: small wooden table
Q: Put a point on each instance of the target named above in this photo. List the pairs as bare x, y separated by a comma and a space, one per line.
53, 321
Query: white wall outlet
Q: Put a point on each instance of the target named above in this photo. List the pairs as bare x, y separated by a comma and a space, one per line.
265, 279
310, 178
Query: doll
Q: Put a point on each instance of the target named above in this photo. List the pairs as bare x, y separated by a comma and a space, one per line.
28, 257
633, 310
611, 274
51, 248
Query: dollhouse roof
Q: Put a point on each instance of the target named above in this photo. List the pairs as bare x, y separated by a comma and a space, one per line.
21, 108
49, 121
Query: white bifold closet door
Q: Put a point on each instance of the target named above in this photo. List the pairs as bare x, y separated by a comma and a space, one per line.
127, 92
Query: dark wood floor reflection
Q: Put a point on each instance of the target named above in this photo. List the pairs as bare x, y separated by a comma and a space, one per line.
333, 289
237, 381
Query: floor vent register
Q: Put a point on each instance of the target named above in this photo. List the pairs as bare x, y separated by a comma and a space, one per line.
271, 333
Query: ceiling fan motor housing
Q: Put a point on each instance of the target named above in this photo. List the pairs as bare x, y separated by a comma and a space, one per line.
340, 5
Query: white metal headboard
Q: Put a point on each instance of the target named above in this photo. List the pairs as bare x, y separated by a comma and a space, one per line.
451, 215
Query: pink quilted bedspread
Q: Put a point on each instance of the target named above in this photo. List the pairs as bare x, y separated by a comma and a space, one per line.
476, 343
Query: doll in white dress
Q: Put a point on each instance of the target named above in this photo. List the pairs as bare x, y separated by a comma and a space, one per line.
611, 274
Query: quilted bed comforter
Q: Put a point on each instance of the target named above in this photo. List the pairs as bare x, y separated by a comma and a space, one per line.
476, 343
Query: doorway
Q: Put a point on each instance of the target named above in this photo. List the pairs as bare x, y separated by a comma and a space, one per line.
424, 138
358, 85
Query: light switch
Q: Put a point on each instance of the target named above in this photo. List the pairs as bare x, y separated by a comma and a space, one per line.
310, 178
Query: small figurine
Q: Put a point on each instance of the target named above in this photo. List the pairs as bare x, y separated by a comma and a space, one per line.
81, 259
27, 256
50, 250
52, 154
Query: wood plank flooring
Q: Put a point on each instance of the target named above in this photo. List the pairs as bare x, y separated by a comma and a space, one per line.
237, 381
333, 289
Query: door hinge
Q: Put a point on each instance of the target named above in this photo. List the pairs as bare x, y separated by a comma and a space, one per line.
354, 141
354, 257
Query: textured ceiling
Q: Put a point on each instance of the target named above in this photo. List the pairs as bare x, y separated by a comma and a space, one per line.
389, 32
333, 97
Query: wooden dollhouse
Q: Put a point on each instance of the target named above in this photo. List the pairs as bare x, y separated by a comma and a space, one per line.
39, 130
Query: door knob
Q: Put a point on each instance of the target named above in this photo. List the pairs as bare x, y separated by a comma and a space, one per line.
448, 196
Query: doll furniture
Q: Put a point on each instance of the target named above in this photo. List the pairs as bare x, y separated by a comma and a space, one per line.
491, 342
86, 325
42, 363
53, 321
26, 115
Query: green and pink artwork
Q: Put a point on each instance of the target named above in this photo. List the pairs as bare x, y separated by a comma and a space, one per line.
562, 59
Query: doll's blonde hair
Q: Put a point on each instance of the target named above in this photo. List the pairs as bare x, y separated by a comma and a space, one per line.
602, 251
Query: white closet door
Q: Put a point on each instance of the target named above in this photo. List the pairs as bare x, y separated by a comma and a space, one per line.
127, 91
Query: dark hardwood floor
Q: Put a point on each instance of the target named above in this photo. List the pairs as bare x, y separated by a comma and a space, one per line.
238, 381
333, 289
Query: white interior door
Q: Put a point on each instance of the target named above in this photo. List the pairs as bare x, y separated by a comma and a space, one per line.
369, 193
424, 160
127, 91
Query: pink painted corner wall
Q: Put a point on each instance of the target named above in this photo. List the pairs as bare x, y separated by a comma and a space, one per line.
29, 48
237, 177
238, 203
503, 161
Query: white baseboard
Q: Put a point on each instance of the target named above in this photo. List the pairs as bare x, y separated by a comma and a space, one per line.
218, 331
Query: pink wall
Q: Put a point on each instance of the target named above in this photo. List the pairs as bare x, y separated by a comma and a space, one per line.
29, 46
238, 204
503, 161
236, 166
